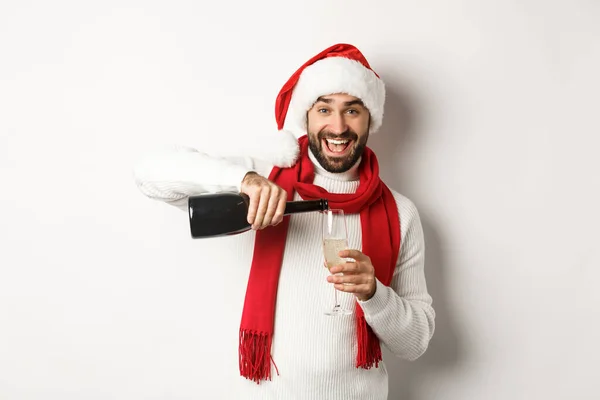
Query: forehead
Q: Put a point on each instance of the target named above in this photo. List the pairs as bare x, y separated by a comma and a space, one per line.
339, 99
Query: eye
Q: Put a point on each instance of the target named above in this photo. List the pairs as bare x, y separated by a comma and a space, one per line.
352, 111
322, 110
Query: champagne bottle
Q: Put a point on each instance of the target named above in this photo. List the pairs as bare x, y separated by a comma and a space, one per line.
221, 214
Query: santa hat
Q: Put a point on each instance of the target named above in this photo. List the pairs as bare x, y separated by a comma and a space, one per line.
341, 68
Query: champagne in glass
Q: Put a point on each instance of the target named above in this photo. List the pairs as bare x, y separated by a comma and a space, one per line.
335, 239
331, 248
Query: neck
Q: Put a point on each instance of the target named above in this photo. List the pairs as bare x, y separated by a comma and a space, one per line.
349, 175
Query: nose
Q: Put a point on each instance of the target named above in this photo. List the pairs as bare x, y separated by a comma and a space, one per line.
338, 123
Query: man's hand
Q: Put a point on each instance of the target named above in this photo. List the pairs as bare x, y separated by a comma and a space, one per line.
358, 278
267, 201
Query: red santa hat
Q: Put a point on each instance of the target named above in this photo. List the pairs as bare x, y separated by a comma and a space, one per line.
341, 68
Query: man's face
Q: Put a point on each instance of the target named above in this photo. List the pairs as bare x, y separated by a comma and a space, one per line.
338, 129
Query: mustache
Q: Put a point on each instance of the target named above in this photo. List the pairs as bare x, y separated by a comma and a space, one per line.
348, 134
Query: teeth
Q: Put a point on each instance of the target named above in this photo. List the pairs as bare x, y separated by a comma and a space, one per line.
334, 141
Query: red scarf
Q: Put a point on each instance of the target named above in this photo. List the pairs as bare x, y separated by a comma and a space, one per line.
380, 241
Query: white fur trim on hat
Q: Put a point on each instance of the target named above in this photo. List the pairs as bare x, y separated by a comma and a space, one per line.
335, 75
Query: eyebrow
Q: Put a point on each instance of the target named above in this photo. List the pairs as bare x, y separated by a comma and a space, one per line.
346, 103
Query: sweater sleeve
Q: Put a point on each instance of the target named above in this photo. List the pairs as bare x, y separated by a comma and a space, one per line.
402, 315
172, 174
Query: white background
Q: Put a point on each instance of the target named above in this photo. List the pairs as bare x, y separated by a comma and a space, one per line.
491, 128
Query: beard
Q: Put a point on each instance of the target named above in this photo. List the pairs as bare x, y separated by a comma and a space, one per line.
341, 164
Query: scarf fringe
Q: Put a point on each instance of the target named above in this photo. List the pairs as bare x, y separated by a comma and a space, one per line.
255, 355
369, 350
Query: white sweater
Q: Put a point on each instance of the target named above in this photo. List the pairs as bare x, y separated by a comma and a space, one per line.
314, 353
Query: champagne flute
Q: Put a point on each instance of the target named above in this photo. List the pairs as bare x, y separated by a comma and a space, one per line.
335, 239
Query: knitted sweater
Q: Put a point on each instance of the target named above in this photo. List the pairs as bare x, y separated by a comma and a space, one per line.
314, 353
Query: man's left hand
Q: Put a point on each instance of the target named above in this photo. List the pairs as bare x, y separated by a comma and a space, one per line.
360, 274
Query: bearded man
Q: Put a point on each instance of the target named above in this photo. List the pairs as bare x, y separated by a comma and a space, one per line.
288, 347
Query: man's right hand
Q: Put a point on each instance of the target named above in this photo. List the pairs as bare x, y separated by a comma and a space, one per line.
267, 201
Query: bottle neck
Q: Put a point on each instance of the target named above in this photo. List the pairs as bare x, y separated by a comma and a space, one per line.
294, 207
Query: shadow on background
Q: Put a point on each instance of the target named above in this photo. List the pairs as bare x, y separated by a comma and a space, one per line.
398, 137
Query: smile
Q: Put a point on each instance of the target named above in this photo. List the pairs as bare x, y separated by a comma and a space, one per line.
337, 147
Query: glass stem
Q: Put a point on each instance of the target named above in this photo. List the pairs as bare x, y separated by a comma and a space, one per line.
336, 305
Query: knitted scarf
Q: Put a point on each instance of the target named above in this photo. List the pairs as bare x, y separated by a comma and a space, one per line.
380, 241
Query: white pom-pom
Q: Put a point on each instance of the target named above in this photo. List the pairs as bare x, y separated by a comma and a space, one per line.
279, 148
282, 150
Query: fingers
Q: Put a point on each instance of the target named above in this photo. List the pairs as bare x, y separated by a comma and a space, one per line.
355, 254
356, 284
267, 201
360, 279
272, 209
359, 290
357, 277
348, 268
252, 208
278, 217
261, 212
362, 286
251, 187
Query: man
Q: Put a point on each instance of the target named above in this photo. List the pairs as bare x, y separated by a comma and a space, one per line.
289, 349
